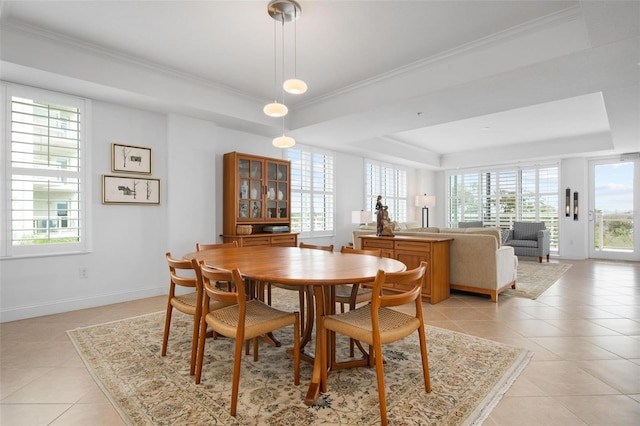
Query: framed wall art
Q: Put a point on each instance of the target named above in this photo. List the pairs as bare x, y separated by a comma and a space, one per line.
130, 159
130, 190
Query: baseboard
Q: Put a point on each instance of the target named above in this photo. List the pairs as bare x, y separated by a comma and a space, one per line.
59, 306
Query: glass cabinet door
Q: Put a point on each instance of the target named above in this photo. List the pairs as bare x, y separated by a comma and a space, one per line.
277, 184
250, 182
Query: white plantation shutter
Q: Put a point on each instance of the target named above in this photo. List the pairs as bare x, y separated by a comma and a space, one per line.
44, 159
390, 182
506, 195
312, 191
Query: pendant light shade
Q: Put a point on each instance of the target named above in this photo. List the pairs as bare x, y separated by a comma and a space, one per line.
275, 109
284, 141
295, 86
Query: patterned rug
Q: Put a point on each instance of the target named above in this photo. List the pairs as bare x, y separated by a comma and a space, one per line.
469, 375
535, 278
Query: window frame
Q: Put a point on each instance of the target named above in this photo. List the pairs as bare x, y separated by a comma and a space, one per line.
7, 170
314, 194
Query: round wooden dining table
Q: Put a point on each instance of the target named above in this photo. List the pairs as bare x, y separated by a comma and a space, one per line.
303, 267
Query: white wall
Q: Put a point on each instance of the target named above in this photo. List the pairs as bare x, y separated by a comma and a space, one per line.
126, 261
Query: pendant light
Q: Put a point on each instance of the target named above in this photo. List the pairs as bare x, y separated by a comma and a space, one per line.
294, 85
284, 11
276, 109
283, 141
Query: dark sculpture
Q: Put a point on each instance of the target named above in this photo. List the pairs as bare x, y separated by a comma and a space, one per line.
384, 226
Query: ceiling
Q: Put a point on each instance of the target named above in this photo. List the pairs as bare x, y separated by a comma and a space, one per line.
431, 84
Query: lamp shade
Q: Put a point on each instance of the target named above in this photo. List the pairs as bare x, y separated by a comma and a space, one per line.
295, 86
275, 109
283, 142
425, 200
361, 216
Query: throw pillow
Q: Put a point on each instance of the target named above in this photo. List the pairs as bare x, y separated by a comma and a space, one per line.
505, 236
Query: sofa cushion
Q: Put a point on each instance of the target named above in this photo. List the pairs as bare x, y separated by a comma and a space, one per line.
494, 231
524, 243
527, 230
454, 230
505, 236
431, 229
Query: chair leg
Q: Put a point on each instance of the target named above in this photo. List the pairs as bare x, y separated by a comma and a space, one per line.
255, 349
296, 349
352, 342
167, 325
200, 352
425, 359
322, 350
380, 377
547, 258
236, 375
301, 300
539, 259
194, 343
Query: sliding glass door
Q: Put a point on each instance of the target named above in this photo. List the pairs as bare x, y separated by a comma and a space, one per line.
614, 206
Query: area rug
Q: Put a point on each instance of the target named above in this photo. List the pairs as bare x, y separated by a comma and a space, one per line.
469, 375
535, 278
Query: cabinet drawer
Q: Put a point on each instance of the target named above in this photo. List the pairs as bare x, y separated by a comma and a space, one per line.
383, 244
413, 246
387, 253
284, 240
257, 241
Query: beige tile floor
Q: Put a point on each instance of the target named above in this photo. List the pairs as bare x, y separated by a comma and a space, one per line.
584, 330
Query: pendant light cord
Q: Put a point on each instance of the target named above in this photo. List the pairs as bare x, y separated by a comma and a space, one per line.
295, 43
282, 85
275, 62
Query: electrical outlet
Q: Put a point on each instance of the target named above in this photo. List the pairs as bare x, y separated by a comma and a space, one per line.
83, 272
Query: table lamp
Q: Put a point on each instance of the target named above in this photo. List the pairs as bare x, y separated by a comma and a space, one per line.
425, 201
361, 217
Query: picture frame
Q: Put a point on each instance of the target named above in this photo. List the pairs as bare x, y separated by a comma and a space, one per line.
130, 190
130, 159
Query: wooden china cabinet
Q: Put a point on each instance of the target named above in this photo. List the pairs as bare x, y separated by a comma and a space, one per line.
257, 201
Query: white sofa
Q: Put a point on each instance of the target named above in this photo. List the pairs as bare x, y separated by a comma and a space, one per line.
479, 263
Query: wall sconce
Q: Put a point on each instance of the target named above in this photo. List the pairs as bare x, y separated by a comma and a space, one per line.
361, 217
568, 203
425, 201
575, 205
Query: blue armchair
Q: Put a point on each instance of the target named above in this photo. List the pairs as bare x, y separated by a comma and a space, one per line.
529, 239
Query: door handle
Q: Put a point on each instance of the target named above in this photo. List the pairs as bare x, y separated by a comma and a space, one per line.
590, 215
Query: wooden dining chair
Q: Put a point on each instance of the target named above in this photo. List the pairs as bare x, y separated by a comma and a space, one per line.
242, 320
181, 274
200, 247
354, 294
376, 324
213, 246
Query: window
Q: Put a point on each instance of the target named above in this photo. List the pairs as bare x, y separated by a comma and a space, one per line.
312, 191
391, 183
500, 197
43, 160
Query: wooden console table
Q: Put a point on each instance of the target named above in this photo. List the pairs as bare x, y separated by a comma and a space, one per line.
411, 251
